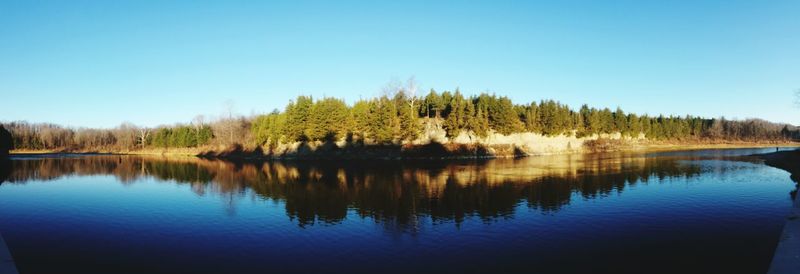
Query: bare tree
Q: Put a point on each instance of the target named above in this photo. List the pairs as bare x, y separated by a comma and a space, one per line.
411, 92
392, 88
797, 98
717, 129
230, 123
407, 89
198, 123
126, 135
143, 133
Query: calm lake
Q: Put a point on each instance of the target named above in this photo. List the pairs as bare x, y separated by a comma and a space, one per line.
674, 212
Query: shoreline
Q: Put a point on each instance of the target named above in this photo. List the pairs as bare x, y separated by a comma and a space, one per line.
369, 153
786, 258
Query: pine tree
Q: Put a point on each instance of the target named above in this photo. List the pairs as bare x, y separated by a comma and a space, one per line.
472, 121
457, 115
447, 97
620, 122
531, 118
328, 120
595, 121
407, 118
634, 125
481, 125
360, 113
265, 129
607, 121
578, 124
297, 119
384, 123
435, 104
502, 117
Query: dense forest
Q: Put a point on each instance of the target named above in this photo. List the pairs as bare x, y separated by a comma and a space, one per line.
395, 118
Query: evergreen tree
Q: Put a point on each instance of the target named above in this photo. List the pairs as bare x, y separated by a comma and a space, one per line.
607, 121
620, 122
434, 103
266, 129
360, 113
328, 120
634, 125
481, 122
407, 118
585, 113
471, 119
204, 135
578, 124
530, 117
457, 116
501, 114
297, 119
446, 98
384, 123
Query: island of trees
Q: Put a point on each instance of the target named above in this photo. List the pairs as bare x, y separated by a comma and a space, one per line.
397, 118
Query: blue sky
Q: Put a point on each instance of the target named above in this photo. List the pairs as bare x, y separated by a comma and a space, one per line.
99, 63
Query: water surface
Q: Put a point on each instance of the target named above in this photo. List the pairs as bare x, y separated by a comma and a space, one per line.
676, 212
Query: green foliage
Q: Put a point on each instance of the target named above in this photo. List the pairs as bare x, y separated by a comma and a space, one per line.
204, 135
634, 125
434, 104
620, 122
268, 129
606, 121
472, 122
530, 117
458, 116
407, 118
298, 114
180, 136
500, 113
360, 119
329, 120
384, 123
555, 118
481, 122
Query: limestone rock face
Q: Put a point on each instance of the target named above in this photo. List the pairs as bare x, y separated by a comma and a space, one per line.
433, 132
6, 142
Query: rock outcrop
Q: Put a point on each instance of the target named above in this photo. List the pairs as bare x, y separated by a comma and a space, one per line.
433, 142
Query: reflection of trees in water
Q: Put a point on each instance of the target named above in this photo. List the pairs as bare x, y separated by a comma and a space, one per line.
5, 169
396, 194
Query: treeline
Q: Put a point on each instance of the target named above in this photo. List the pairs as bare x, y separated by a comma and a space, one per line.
394, 118
181, 136
127, 136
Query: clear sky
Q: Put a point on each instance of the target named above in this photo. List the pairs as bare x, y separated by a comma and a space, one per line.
99, 63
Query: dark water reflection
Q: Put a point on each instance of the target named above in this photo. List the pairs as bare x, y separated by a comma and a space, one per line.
684, 213
393, 192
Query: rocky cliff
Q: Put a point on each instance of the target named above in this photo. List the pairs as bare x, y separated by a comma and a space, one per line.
434, 143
